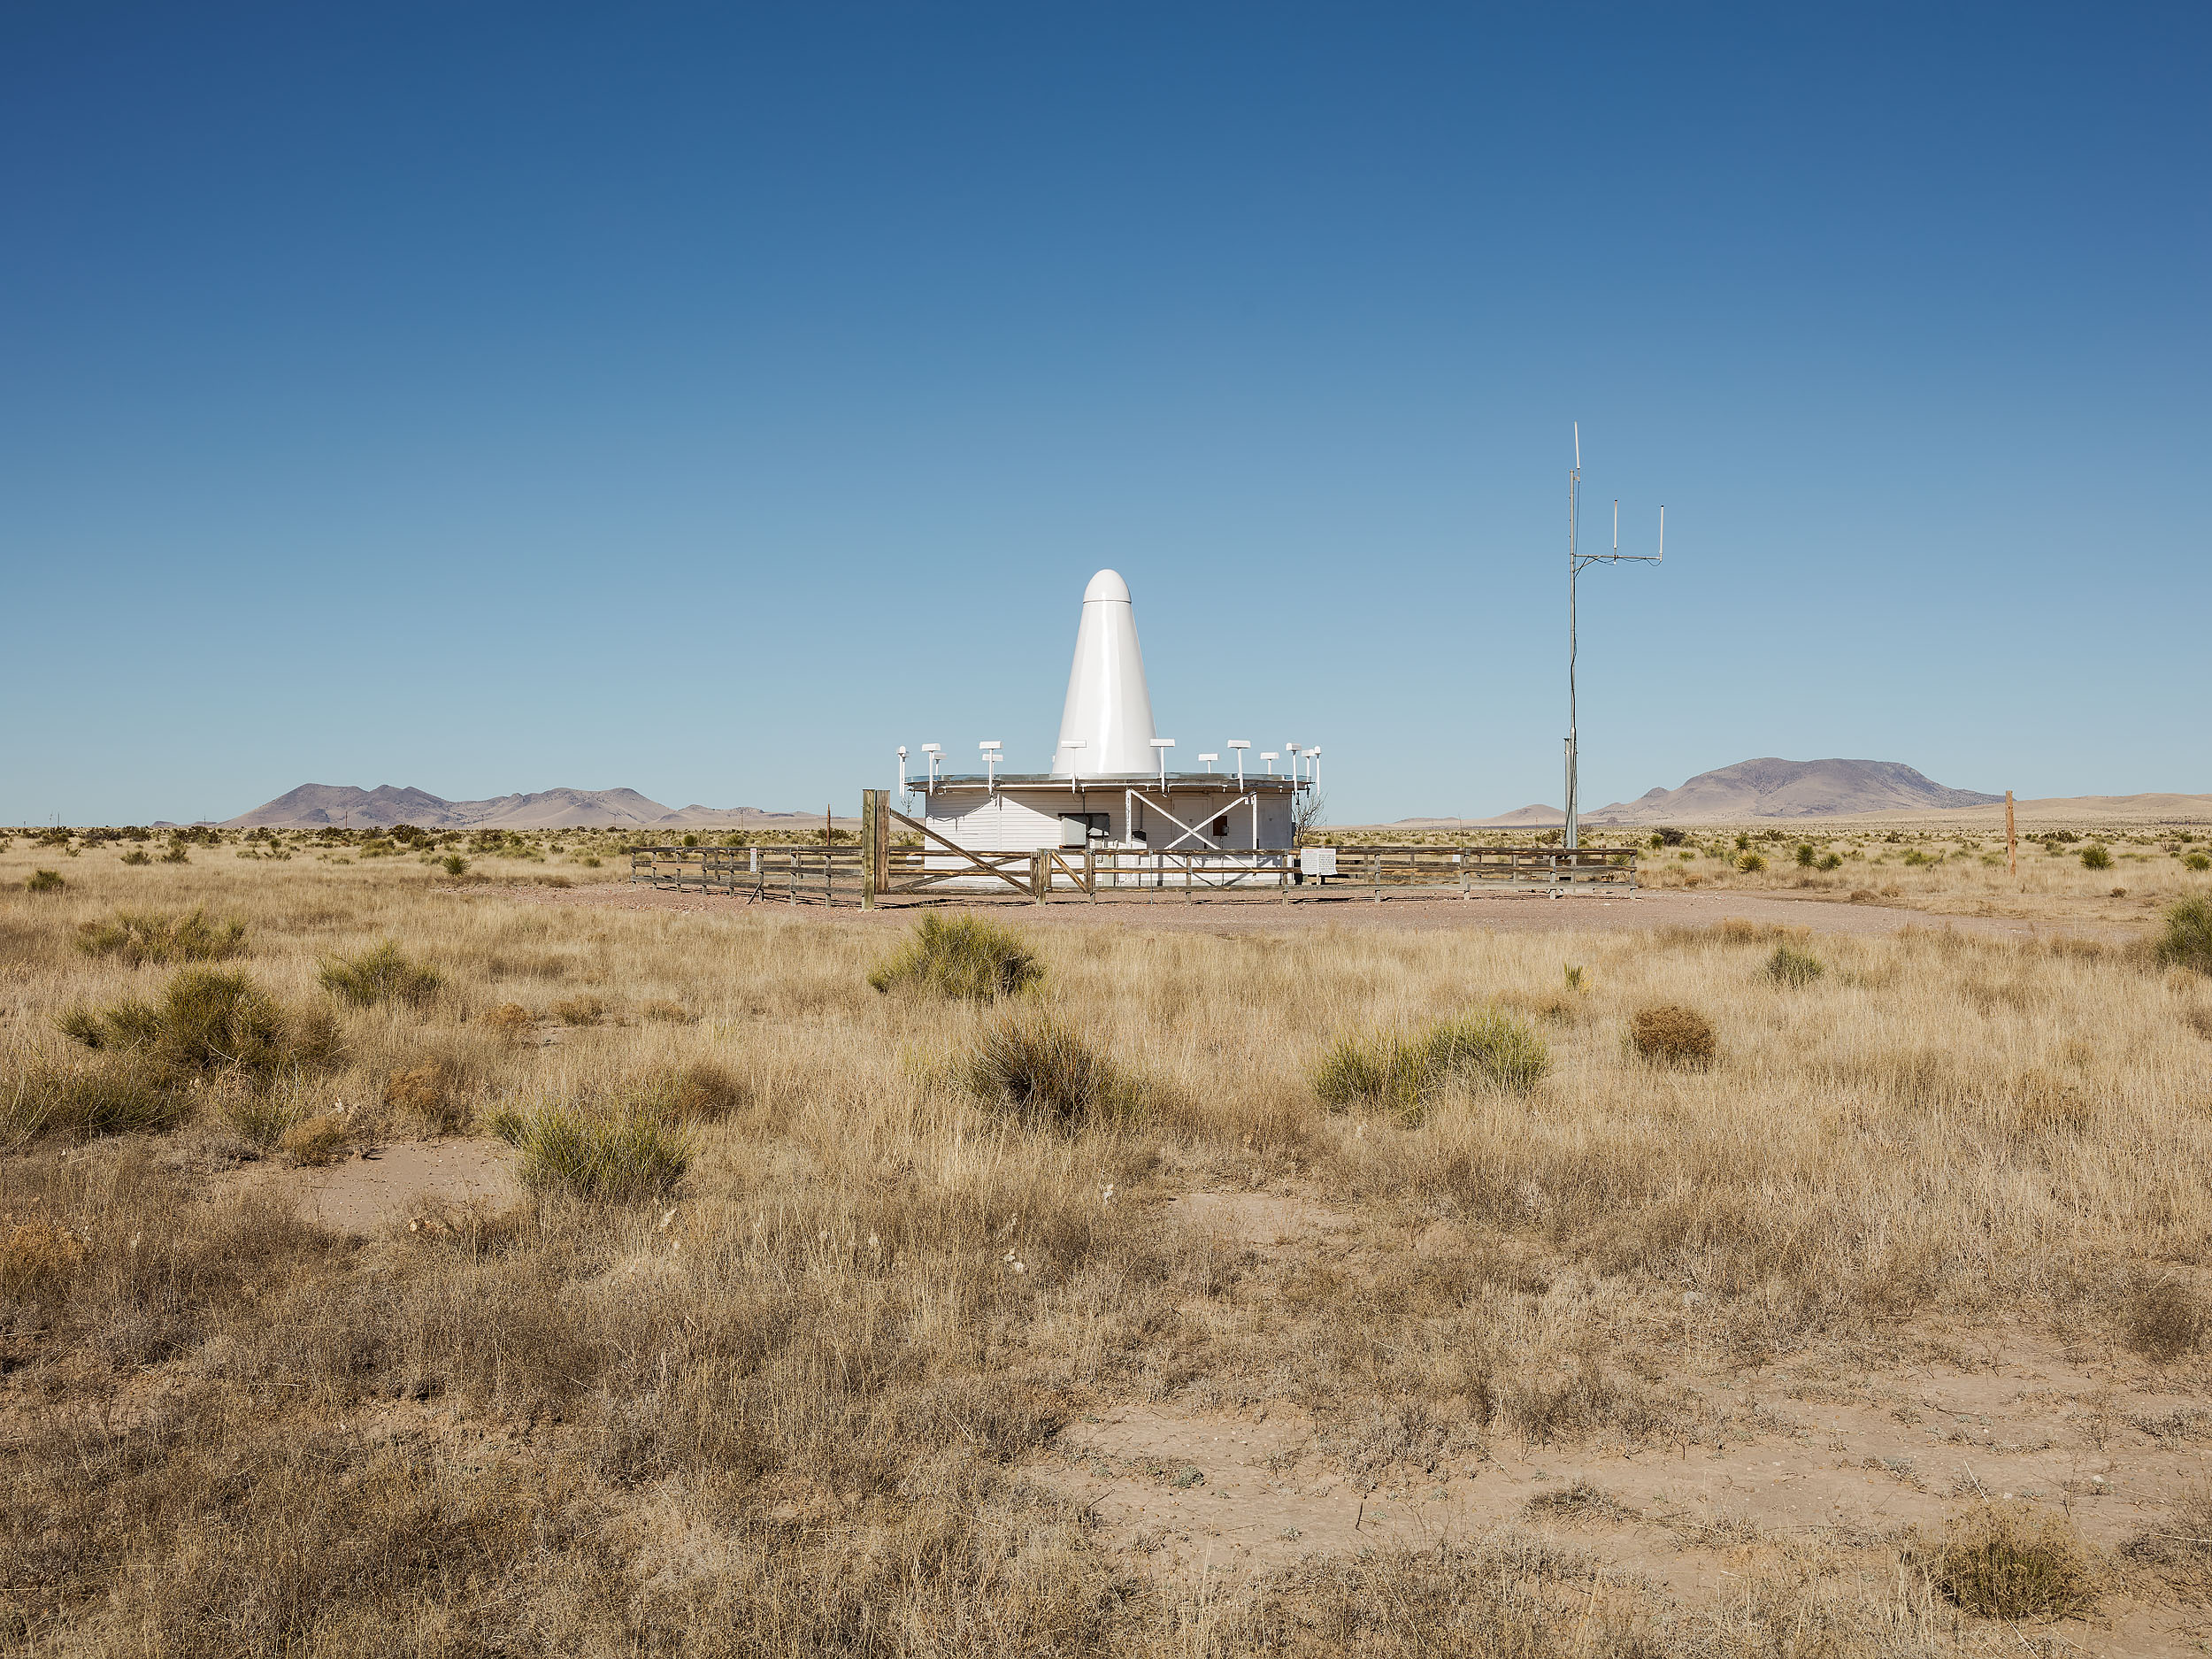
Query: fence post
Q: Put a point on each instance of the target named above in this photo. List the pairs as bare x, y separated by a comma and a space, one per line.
871, 846
1090, 870
1374, 874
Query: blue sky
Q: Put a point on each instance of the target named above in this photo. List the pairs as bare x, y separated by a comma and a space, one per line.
707, 399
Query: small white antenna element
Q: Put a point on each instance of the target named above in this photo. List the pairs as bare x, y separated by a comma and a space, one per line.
1239, 746
990, 758
1616, 524
1268, 754
1577, 446
1209, 760
1663, 531
903, 769
1160, 746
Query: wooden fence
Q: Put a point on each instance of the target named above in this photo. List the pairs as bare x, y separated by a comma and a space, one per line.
937, 866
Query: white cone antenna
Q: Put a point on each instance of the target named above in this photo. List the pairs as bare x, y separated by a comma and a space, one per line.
1106, 728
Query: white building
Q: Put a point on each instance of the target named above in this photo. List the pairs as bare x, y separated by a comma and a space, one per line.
1111, 786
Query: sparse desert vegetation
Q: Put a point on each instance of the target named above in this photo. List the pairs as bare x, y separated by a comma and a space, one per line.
1091, 1288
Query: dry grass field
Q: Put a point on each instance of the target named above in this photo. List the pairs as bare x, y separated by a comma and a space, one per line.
387, 1266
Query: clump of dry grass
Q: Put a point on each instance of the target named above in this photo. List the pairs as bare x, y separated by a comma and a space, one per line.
511, 1021
135, 937
2012, 1561
582, 1010
1672, 1034
964, 957
435, 1093
37, 1256
1036, 1069
1399, 1070
700, 1092
383, 974
2161, 1319
313, 1142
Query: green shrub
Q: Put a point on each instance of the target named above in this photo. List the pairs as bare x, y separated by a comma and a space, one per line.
2011, 1561
1036, 1069
627, 1156
2188, 941
45, 881
178, 854
143, 936
112, 1095
1398, 1071
1830, 861
1791, 966
136, 856
2095, 857
1750, 863
964, 957
206, 1020
383, 974
1804, 855
454, 864
2199, 862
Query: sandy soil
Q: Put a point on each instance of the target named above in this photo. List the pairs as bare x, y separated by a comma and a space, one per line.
393, 1184
1518, 912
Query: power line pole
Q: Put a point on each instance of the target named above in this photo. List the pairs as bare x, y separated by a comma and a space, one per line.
1576, 560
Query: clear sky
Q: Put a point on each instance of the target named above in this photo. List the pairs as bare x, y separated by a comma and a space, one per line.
708, 398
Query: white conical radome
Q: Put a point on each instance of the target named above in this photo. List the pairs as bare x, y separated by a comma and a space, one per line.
1108, 706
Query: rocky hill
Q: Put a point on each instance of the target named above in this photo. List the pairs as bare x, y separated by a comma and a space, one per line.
1770, 787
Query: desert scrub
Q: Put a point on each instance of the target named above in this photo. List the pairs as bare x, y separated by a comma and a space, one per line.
1035, 1069
2188, 941
136, 937
1671, 1034
578, 1010
964, 957
208, 1020
626, 1155
44, 881
1399, 1070
383, 974
1793, 967
2096, 857
2012, 1561
1750, 863
112, 1094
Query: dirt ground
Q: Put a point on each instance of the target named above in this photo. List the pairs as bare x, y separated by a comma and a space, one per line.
1497, 912
1813, 1466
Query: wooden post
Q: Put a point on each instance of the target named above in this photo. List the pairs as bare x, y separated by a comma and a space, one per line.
1374, 874
2012, 843
870, 847
1090, 870
1040, 875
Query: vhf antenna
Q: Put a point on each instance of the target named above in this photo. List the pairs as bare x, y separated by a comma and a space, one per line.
1576, 560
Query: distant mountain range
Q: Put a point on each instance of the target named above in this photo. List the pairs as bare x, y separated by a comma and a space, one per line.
1766, 787
314, 805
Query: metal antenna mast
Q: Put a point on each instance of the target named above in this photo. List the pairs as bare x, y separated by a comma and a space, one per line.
1576, 560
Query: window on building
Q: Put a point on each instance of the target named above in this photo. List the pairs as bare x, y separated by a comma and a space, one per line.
1221, 826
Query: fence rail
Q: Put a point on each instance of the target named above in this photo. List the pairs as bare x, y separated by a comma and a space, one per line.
874, 869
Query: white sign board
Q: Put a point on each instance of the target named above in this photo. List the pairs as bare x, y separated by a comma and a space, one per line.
1316, 861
